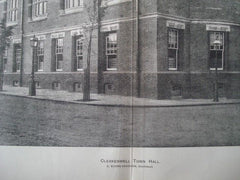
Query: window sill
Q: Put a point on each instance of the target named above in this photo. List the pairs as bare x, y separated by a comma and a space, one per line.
71, 11
113, 2
219, 69
79, 70
172, 69
59, 70
40, 70
111, 69
35, 19
15, 23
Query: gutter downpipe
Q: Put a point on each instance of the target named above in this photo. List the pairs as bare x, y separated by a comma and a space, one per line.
22, 45
138, 64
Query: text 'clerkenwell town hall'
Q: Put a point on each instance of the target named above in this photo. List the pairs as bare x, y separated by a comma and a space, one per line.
158, 49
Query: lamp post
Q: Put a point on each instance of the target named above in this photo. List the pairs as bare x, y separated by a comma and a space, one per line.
32, 87
216, 43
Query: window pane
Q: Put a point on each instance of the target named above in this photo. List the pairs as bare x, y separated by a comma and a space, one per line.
173, 38
172, 58
40, 62
4, 64
213, 57
73, 3
79, 62
59, 61
216, 36
39, 7
112, 61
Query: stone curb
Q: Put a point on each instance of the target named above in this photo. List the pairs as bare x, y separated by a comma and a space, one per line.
122, 105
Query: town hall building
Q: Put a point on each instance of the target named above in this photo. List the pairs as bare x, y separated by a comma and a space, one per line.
158, 49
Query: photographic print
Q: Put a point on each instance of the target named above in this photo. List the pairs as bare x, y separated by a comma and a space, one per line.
120, 74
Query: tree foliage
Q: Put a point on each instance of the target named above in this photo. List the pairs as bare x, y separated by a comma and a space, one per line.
5, 34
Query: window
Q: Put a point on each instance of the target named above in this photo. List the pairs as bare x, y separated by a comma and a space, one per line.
15, 83
37, 84
39, 8
109, 88
59, 54
216, 51
17, 58
56, 86
73, 4
176, 90
172, 49
111, 51
77, 87
79, 53
4, 64
40, 55
12, 10
5, 59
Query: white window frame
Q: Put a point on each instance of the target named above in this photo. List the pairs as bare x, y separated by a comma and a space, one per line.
218, 48
39, 8
58, 51
73, 4
112, 50
175, 47
40, 53
12, 11
79, 52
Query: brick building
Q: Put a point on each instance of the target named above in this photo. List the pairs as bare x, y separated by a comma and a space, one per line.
149, 48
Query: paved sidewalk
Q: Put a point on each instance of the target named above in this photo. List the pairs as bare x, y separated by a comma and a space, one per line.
110, 100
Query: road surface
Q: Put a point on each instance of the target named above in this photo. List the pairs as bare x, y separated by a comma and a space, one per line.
31, 122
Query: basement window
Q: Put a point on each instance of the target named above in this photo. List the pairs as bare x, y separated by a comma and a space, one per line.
109, 88
77, 87
37, 84
15, 83
56, 86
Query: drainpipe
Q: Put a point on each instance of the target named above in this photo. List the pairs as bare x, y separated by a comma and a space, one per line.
138, 63
22, 44
100, 69
189, 53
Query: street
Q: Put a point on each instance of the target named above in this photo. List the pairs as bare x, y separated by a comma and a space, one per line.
32, 122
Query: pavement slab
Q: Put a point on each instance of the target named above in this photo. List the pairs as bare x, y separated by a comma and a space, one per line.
110, 100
